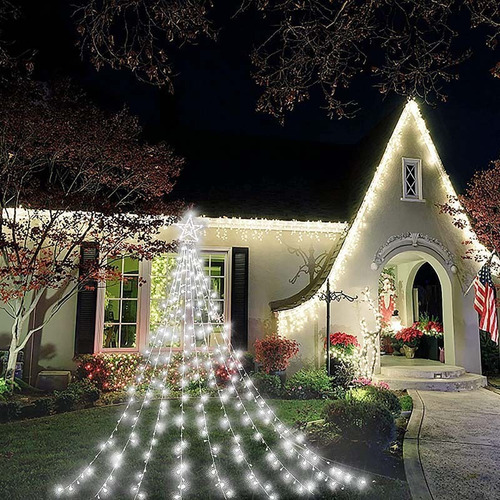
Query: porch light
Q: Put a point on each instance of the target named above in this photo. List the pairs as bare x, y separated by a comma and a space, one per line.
396, 321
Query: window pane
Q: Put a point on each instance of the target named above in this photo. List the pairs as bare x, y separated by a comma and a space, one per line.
130, 287
159, 287
128, 336
129, 311
130, 265
217, 265
112, 311
113, 289
217, 288
110, 337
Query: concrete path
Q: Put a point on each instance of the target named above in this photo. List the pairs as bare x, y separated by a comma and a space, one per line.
452, 447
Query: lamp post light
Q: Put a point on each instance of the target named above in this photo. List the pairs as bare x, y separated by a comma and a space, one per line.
328, 296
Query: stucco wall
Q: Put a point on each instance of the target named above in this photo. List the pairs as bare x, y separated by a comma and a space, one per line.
388, 216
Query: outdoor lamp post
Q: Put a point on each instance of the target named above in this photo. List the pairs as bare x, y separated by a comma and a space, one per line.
328, 296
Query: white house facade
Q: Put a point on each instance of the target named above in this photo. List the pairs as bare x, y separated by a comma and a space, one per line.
267, 274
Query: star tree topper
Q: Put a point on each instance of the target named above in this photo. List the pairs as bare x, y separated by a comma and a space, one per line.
189, 230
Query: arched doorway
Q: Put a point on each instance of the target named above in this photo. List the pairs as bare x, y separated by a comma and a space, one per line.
427, 307
422, 286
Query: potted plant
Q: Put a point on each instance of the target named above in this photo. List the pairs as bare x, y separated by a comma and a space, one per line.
411, 339
343, 345
432, 336
274, 353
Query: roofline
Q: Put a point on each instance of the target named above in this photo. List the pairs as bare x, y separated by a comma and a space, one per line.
268, 225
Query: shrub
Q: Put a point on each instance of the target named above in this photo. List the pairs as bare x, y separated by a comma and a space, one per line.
65, 401
378, 395
275, 352
406, 403
309, 384
43, 407
489, 354
248, 362
342, 373
10, 410
108, 372
268, 385
85, 391
364, 421
7, 387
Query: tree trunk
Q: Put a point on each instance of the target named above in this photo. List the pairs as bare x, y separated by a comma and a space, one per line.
12, 360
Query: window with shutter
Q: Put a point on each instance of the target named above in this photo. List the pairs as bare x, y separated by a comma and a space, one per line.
239, 298
86, 305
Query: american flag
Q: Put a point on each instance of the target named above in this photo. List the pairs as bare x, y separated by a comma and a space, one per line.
485, 302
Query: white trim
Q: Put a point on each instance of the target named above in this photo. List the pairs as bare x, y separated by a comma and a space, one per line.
143, 303
418, 179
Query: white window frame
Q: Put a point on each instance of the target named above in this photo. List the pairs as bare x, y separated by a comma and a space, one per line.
143, 305
418, 179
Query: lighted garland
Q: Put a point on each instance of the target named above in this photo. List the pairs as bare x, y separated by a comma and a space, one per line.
299, 469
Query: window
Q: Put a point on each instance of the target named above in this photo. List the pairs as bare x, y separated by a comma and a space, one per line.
215, 267
412, 179
120, 305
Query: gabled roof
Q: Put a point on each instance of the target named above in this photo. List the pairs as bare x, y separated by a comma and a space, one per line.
242, 176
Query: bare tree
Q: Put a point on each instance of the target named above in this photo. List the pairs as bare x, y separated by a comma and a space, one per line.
134, 34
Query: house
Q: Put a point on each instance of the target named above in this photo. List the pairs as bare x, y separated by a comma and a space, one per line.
266, 273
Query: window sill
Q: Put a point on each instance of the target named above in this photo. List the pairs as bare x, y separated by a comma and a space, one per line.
418, 200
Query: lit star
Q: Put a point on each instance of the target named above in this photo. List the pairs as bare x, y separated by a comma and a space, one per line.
189, 230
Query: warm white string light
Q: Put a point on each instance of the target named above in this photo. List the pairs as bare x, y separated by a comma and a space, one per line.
295, 319
191, 311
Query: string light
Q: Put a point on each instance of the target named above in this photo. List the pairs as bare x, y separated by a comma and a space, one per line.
297, 468
295, 319
259, 228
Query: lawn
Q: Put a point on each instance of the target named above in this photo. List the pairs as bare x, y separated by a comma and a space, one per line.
35, 455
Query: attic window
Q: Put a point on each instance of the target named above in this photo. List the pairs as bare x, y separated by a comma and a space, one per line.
412, 179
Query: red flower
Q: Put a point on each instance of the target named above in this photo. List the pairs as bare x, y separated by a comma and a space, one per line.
274, 352
409, 336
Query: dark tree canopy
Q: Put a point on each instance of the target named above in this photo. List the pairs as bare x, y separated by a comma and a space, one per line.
410, 47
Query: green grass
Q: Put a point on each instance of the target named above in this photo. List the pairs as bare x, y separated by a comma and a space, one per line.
35, 455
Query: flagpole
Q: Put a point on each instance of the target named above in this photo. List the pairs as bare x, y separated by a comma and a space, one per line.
488, 262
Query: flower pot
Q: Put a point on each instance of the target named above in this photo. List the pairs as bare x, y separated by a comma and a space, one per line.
281, 374
409, 351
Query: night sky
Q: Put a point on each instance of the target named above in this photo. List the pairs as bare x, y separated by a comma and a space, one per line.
214, 101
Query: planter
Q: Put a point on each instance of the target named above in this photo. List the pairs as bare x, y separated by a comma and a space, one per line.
409, 351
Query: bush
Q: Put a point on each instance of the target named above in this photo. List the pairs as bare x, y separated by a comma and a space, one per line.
248, 362
65, 401
342, 373
309, 384
268, 385
363, 421
85, 391
489, 354
377, 395
7, 387
275, 352
406, 403
10, 410
43, 407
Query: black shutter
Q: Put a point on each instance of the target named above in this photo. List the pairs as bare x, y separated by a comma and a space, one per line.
239, 299
86, 306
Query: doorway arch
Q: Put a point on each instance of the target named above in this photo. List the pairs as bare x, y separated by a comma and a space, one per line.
408, 261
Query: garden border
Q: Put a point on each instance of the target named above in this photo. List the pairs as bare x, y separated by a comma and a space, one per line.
414, 471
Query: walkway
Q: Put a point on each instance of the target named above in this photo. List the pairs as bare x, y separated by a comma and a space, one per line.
452, 447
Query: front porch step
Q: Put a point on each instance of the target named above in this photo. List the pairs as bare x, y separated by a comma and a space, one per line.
423, 371
465, 382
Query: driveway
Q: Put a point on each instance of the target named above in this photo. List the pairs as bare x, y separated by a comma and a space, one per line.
452, 446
